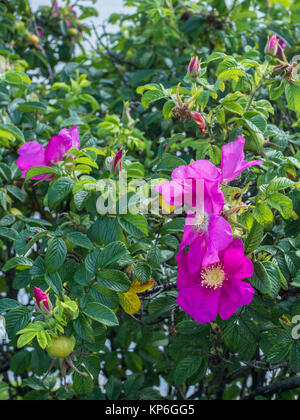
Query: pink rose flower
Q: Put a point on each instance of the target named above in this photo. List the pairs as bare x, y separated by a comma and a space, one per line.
33, 154
68, 23
184, 188
178, 191
41, 298
58, 146
217, 289
206, 235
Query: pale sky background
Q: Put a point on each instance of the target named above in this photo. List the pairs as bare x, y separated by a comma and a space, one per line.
104, 7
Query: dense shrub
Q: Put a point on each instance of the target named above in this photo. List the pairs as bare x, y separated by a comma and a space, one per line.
90, 304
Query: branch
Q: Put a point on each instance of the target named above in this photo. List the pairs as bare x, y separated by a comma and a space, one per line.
113, 57
112, 54
49, 68
278, 387
160, 289
4, 368
158, 321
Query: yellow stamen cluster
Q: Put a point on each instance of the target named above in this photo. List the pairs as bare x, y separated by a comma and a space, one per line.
213, 277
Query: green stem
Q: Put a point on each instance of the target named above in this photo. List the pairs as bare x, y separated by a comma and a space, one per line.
251, 98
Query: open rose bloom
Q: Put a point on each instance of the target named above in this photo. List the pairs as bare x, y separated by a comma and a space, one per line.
206, 235
218, 288
211, 265
181, 188
32, 154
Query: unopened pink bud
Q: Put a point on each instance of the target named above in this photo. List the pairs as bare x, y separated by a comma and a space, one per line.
197, 117
272, 46
116, 162
41, 298
194, 67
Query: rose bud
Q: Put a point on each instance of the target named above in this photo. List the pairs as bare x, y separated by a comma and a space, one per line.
281, 46
42, 300
272, 46
194, 67
116, 163
197, 117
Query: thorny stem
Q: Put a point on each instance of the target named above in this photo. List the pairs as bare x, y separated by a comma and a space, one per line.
71, 364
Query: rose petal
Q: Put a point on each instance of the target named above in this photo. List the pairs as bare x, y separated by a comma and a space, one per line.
233, 163
185, 278
219, 237
59, 145
206, 170
234, 293
236, 264
200, 303
32, 154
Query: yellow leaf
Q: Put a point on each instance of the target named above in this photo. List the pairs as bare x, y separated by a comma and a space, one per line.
130, 302
15, 212
138, 287
165, 207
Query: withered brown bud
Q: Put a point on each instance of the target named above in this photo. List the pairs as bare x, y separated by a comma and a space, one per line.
182, 113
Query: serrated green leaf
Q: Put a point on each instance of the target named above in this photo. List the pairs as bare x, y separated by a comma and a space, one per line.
186, 368
135, 224
79, 239
254, 238
55, 255
102, 314
60, 189
282, 203
20, 263
114, 280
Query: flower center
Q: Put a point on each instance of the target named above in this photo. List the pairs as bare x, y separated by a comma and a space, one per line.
200, 222
213, 277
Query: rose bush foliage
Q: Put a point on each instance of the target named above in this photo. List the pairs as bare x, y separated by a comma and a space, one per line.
90, 303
